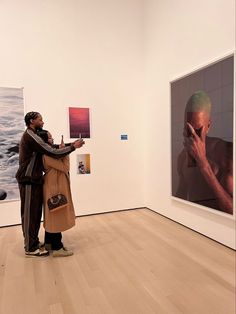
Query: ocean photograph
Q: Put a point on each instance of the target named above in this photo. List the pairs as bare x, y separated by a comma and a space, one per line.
11, 129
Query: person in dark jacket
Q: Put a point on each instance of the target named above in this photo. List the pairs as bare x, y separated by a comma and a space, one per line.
30, 179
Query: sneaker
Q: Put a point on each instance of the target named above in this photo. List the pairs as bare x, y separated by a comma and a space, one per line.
37, 253
63, 252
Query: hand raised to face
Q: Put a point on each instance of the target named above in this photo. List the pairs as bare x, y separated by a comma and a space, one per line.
189, 131
194, 143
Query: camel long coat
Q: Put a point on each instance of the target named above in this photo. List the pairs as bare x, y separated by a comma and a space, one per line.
56, 180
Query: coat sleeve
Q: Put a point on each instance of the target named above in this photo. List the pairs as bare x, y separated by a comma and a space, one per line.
58, 164
43, 148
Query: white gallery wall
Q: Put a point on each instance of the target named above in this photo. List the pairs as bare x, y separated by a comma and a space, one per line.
116, 57
181, 37
82, 54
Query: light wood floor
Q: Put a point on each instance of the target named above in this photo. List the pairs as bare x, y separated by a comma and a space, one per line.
131, 262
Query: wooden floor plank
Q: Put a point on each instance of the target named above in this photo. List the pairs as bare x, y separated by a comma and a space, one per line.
130, 262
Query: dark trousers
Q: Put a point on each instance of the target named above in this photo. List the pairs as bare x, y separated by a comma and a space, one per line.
54, 239
31, 196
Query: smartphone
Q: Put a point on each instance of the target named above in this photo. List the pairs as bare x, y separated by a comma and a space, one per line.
62, 141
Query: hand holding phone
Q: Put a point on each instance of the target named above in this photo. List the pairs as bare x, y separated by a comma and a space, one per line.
62, 142
78, 143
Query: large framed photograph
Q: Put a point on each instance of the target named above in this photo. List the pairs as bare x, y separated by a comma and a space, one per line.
12, 127
202, 114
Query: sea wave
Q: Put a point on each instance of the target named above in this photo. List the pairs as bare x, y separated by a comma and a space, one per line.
12, 127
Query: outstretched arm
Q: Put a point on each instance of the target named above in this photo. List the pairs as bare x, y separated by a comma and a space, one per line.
44, 148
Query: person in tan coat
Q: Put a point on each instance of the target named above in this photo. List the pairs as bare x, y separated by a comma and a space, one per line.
56, 182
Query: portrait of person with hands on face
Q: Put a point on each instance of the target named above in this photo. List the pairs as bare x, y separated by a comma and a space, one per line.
205, 165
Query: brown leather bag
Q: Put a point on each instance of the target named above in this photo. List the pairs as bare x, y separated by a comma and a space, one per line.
57, 202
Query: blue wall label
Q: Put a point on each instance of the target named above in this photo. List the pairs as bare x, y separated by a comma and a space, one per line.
124, 137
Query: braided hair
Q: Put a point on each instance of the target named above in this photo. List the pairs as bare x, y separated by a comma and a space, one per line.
30, 116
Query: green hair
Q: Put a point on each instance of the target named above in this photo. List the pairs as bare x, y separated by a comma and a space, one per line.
199, 101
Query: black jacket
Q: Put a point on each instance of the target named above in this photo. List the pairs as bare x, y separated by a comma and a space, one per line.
31, 149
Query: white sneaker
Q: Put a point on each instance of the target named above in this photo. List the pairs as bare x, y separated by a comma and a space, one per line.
37, 253
63, 252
